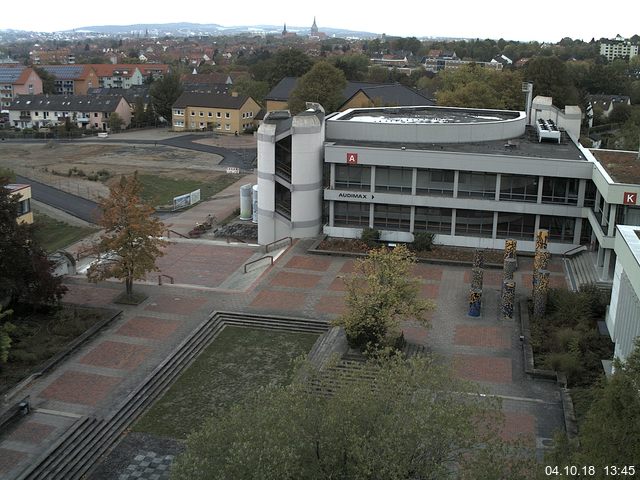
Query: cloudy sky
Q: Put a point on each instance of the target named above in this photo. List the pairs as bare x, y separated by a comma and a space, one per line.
547, 20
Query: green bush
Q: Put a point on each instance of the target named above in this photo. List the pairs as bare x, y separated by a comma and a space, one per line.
566, 362
422, 241
370, 236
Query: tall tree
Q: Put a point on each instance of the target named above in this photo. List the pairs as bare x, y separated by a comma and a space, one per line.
115, 122
550, 78
131, 241
164, 93
48, 80
391, 420
354, 67
323, 84
285, 63
25, 271
380, 294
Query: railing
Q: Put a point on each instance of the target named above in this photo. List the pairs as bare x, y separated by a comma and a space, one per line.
574, 250
169, 232
266, 247
270, 257
163, 275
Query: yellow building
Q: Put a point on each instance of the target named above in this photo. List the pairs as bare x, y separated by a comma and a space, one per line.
23, 192
222, 113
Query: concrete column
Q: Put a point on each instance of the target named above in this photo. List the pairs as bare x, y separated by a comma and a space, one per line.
373, 179
606, 264
332, 177
577, 231
371, 215
612, 220
540, 185
494, 229
498, 181
536, 226
453, 220
605, 214
600, 257
582, 189
456, 178
412, 219
414, 181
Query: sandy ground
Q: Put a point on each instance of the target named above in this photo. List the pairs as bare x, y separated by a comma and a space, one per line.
50, 163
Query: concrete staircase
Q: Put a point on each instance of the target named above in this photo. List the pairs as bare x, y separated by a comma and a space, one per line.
581, 271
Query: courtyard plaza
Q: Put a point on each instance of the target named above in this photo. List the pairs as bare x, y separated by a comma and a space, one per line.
209, 276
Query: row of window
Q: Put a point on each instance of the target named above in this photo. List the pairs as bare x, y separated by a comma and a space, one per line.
474, 223
179, 112
521, 188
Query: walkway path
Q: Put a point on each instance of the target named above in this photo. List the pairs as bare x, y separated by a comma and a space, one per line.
95, 379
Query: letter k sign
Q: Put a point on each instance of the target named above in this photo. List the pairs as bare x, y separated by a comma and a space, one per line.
630, 198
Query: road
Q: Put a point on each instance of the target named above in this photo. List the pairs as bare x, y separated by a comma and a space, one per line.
72, 204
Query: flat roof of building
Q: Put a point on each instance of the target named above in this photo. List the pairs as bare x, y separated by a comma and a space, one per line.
426, 115
526, 145
14, 187
622, 166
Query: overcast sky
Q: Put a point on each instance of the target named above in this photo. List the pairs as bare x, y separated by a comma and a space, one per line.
547, 20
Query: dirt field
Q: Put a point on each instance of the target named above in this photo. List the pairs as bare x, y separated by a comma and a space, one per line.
50, 163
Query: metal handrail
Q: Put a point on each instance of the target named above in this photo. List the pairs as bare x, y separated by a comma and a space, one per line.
266, 247
164, 275
270, 257
573, 250
169, 232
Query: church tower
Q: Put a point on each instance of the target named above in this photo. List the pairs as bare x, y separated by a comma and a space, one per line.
314, 28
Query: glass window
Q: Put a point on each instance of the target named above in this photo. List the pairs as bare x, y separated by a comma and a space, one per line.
351, 214
560, 190
590, 194
516, 225
435, 182
560, 228
354, 177
283, 201
218, 115
392, 217
227, 115
521, 188
477, 185
475, 223
433, 220
393, 179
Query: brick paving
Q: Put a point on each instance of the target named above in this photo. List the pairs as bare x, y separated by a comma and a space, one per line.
483, 349
490, 277
519, 426
80, 387
148, 327
117, 355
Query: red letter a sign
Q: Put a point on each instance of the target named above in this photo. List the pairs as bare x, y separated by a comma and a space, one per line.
352, 158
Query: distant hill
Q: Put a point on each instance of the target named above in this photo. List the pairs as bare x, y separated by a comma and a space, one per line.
197, 29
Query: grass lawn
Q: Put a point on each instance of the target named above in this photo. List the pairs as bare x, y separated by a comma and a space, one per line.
238, 361
53, 234
160, 190
40, 336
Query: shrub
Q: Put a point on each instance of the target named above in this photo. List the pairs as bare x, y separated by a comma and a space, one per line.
567, 363
422, 241
370, 236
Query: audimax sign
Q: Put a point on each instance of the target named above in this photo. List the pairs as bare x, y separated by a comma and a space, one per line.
630, 198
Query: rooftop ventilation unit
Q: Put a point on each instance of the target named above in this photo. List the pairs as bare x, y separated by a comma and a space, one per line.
547, 130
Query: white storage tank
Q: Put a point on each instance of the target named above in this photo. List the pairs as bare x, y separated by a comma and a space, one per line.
245, 202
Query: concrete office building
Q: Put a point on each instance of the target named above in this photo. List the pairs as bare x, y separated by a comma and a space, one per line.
473, 177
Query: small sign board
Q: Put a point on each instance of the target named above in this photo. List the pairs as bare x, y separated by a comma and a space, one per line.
352, 158
630, 198
231, 170
181, 201
195, 196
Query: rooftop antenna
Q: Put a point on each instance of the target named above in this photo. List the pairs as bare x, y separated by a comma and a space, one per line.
527, 87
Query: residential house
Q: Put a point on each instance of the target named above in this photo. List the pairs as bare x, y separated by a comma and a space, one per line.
16, 79
62, 55
72, 79
23, 192
207, 82
154, 70
83, 111
618, 48
118, 75
604, 104
503, 59
131, 94
225, 113
356, 95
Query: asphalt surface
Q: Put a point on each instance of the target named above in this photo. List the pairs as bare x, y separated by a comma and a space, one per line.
72, 204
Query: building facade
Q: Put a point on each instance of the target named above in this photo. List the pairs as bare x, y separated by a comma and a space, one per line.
623, 314
472, 177
72, 79
231, 114
17, 80
23, 194
618, 49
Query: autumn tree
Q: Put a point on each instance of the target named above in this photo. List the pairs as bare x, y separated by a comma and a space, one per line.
391, 420
323, 84
380, 295
551, 78
26, 274
115, 122
6, 328
131, 240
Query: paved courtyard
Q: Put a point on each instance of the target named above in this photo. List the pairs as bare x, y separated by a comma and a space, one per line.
95, 379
